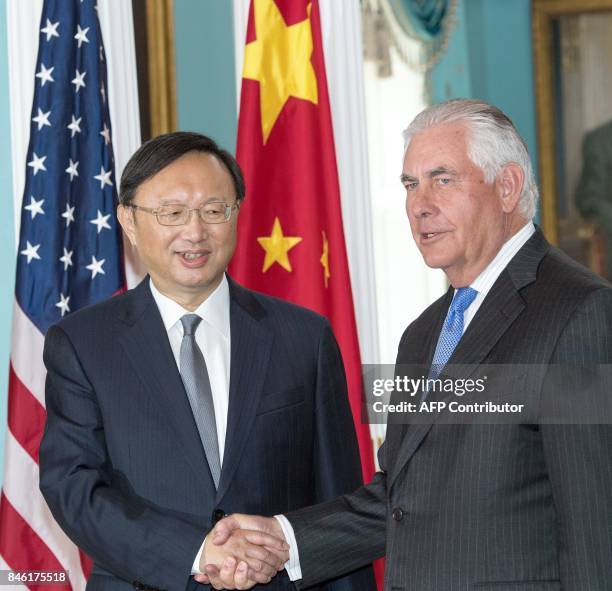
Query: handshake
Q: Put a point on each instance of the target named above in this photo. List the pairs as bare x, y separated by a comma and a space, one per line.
242, 551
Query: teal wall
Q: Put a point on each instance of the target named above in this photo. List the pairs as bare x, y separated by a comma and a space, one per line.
205, 65
7, 236
490, 57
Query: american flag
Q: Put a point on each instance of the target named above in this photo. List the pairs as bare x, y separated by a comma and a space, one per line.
69, 256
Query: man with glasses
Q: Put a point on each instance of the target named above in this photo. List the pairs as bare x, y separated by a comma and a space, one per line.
190, 397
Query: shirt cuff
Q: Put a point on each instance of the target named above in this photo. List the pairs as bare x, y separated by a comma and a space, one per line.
292, 566
195, 569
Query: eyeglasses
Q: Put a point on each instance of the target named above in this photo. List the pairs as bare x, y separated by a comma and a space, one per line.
177, 214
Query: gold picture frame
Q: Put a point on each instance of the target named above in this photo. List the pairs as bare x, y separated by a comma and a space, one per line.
161, 66
546, 15
153, 27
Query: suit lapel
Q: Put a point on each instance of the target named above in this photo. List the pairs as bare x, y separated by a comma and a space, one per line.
500, 308
502, 305
145, 342
417, 359
251, 344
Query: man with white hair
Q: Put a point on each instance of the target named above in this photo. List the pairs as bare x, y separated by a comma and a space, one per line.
521, 505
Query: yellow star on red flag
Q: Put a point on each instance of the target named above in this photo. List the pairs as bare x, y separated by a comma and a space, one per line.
324, 260
280, 60
277, 247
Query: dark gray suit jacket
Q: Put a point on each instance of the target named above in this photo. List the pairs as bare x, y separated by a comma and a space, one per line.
121, 463
501, 507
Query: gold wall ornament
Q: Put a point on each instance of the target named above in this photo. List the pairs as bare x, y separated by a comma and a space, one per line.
161, 66
545, 12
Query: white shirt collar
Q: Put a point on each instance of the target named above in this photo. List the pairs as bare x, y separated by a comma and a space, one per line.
484, 282
214, 310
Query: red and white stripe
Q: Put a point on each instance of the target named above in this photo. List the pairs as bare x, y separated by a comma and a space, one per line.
30, 539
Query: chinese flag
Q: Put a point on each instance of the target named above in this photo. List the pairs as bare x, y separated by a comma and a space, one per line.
291, 241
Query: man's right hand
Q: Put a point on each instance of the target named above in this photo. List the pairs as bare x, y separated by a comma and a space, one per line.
241, 551
266, 525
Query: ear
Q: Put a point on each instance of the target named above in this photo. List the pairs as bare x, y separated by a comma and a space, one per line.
125, 215
510, 186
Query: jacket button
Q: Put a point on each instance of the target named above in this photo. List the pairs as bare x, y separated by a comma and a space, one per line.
398, 514
218, 515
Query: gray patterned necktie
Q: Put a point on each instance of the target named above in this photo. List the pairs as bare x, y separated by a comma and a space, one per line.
197, 385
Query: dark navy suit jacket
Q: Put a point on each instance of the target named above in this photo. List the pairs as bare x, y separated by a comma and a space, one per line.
121, 462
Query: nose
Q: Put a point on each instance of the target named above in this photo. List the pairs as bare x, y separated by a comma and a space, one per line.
420, 203
195, 230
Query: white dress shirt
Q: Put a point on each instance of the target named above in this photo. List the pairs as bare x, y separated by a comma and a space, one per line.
214, 339
482, 284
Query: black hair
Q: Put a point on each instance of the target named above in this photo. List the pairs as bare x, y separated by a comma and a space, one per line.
163, 150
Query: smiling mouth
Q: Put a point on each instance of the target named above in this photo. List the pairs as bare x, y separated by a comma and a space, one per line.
190, 256
430, 235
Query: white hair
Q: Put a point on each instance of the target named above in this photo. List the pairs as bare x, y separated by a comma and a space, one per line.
493, 142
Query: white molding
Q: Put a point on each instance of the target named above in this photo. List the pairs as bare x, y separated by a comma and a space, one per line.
342, 42
22, 23
117, 24
241, 18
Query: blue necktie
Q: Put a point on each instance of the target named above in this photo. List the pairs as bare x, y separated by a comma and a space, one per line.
452, 330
